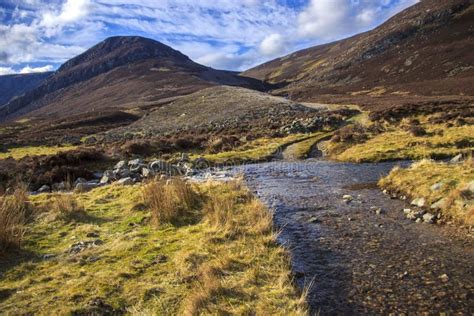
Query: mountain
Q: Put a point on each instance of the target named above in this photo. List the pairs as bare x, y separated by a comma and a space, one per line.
16, 85
121, 73
426, 50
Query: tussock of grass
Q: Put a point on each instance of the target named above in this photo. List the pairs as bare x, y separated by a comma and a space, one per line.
198, 267
65, 207
169, 200
396, 143
417, 181
14, 209
21, 152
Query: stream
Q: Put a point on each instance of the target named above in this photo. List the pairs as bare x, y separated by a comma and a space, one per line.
354, 260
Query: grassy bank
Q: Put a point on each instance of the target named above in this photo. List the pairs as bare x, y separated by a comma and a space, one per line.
154, 250
261, 149
398, 143
437, 182
302, 149
21, 152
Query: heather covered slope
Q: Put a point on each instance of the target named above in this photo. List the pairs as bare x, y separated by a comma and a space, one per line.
425, 50
16, 85
118, 73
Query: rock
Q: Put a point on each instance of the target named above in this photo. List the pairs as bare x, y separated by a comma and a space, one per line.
436, 187
122, 173
184, 157
92, 235
414, 215
444, 278
146, 173
407, 211
429, 218
85, 186
83, 245
79, 180
420, 202
470, 187
120, 165
313, 220
457, 159
438, 205
105, 179
347, 197
44, 189
201, 163
126, 181
98, 175
136, 162
48, 256
160, 166
378, 211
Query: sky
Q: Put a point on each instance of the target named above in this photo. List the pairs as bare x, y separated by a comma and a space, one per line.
40, 35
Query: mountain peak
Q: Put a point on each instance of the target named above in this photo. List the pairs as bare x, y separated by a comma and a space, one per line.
118, 50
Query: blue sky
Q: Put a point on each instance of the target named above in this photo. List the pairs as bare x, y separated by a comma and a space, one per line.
39, 35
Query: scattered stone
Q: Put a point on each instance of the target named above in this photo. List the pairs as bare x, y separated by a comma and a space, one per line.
420, 202
146, 173
457, 159
444, 278
429, 218
436, 187
85, 186
105, 179
438, 205
44, 189
120, 165
126, 181
347, 197
313, 220
83, 245
407, 211
135, 162
48, 256
79, 180
92, 235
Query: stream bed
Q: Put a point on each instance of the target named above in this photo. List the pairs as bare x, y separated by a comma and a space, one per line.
355, 260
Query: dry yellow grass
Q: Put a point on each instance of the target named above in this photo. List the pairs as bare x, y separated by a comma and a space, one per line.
417, 181
14, 209
142, 269
396, 143
169, 200
21, 152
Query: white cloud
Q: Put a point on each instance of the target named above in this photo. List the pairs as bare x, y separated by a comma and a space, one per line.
273, 44
323, 19
225, 34
6, 71
28, 69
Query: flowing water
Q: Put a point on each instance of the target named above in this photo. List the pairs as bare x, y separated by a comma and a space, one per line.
355, 260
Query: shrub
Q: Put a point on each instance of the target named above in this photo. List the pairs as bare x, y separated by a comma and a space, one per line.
14, 211
169, 200
417, 131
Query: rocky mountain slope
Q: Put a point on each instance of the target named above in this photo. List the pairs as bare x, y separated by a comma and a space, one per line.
16, 85
120, 73
425, 50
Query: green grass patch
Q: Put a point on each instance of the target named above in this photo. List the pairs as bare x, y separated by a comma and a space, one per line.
435, 181
139, 268
254, 151
395, 144
21, 152
302, 149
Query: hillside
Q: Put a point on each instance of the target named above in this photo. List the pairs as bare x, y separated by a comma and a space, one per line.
425, 50
118, 73
15, 85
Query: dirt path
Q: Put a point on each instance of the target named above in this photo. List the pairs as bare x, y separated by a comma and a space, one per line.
361, 262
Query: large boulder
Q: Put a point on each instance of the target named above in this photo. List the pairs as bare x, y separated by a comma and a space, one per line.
120, 165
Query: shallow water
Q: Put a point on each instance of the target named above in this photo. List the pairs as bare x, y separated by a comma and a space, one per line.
359, 262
